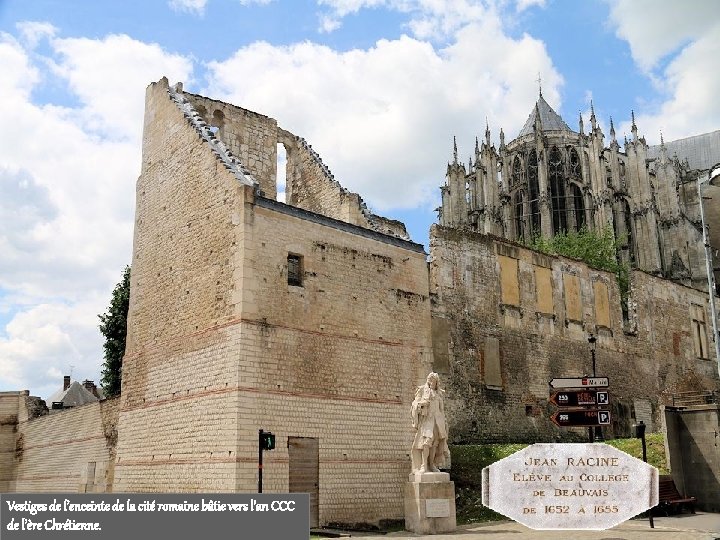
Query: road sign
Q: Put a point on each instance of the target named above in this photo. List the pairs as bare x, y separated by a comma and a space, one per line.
581, 418
573, 398
580, 382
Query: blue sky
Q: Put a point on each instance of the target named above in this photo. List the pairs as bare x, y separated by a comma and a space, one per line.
378, 87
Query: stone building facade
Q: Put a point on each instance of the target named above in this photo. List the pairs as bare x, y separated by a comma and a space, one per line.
316, 319
551, 179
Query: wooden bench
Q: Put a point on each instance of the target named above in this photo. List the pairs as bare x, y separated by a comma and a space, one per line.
670, 498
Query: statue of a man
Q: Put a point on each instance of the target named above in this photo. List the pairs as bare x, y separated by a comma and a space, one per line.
429, 449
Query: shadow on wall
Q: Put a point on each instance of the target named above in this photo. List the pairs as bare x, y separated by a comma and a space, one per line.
693, 440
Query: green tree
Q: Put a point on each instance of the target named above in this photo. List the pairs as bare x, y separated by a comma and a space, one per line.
598, 249
113, 325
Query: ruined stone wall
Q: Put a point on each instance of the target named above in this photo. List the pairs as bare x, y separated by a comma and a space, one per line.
506, 320
251, 136
220, 345
71, 450
178, 423
337, 358
9, 407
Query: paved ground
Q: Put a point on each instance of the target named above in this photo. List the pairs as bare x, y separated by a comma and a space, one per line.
700, 526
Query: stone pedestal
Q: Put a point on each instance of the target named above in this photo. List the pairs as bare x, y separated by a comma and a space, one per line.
430, 503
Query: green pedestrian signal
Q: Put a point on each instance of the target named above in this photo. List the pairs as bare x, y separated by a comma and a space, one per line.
267, 440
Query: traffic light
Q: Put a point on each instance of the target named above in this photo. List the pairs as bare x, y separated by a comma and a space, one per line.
267, 440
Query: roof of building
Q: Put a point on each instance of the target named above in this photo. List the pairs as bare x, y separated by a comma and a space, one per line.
76, 394
551, 121
701, 151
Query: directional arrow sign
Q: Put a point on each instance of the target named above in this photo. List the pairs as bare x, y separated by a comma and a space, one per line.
580, 382
573, 398
581, 418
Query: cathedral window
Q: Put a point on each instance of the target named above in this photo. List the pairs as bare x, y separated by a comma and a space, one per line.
534, 193
519, 216
575, 170
578, 206
516, 176
557, 191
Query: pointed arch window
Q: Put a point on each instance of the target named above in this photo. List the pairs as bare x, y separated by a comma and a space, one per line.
534, 193
575, 170
578, 205
519, 215
557, 191
516, 176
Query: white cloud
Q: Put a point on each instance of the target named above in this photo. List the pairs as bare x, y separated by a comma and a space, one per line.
44, 341
677, 45
67, 175
197, 7
110, 76
33, 31
191, 6
522, 5
692, 106
383, 118
654, 29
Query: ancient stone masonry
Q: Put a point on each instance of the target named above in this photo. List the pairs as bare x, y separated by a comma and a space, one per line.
249, 313
506, 320
317, 320
551, 179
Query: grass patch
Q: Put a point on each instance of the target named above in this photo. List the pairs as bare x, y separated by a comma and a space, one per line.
655, 443
469, 460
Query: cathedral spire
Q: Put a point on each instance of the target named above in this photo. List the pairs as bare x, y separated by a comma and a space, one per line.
612, 130
454, 151
582, 126
634, 127
487, 132
539, 81
502, 139
477, 147
593, 120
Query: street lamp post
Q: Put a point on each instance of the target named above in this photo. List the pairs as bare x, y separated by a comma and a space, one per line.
597, 435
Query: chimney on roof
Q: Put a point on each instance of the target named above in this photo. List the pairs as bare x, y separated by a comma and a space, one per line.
90, 387
66, 382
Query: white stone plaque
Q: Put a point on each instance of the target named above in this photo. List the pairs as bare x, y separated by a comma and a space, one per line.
570, 486
437, 508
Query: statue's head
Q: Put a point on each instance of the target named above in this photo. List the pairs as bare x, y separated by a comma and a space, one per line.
433, 379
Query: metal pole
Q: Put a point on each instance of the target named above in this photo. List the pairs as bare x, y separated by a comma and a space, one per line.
260, 452
644, 449
710, 274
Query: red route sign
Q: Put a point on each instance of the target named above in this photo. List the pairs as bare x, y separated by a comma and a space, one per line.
574, 398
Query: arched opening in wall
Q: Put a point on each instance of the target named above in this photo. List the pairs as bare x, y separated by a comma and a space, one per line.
533, 193
217, 123
557, 191
281, 172
202, 112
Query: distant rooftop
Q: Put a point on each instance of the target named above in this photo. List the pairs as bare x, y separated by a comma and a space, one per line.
701, 151
551, 121
76, 394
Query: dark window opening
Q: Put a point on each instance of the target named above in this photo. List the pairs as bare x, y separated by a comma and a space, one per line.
519, 216
557, 192
578, 207
534, 193
294, 263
